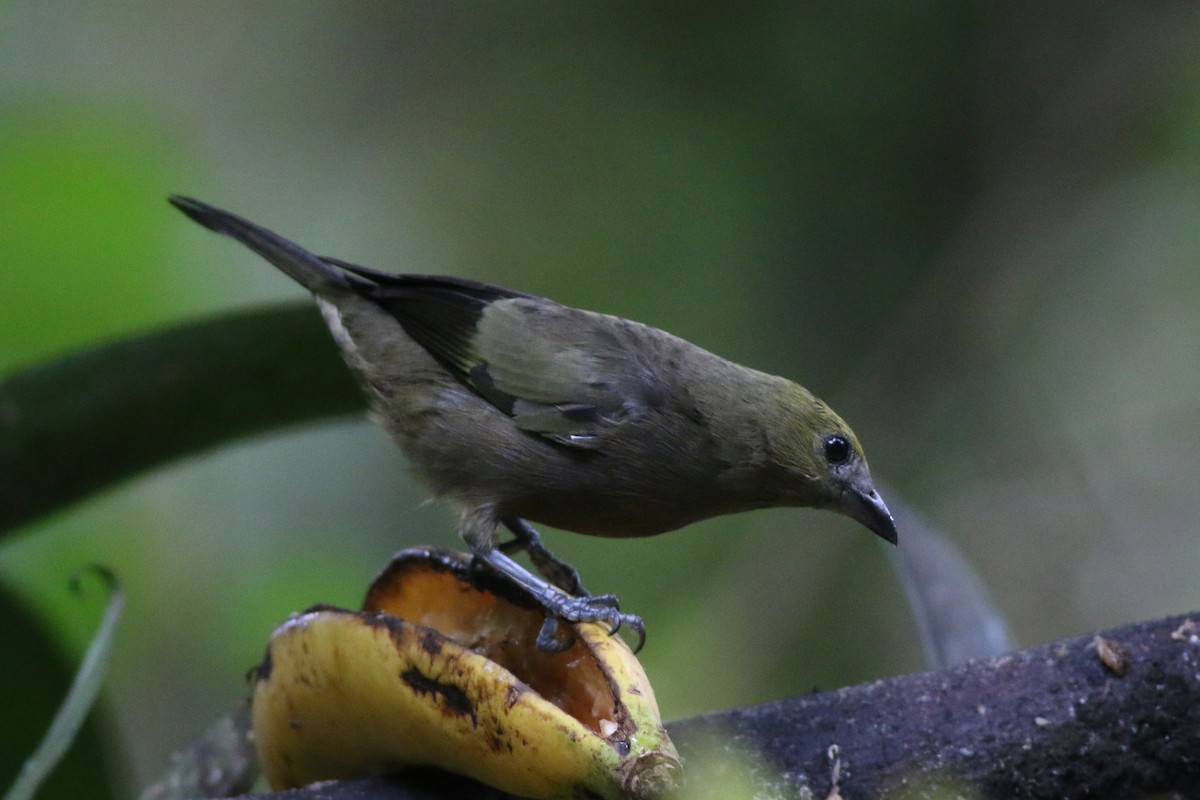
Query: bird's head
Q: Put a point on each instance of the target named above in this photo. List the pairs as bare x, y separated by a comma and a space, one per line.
824, 462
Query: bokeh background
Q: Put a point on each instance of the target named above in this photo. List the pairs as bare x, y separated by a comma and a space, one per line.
972, 227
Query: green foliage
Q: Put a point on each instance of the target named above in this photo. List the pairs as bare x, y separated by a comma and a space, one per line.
36, 678
81, 244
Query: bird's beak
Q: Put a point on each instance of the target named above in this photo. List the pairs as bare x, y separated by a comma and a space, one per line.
867, 507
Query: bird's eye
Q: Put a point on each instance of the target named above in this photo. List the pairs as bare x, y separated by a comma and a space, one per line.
837, 449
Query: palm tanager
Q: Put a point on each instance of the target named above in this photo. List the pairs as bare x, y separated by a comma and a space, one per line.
515, 408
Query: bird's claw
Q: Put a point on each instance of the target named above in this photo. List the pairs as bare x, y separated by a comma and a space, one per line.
550, 640
604, 608
559, 591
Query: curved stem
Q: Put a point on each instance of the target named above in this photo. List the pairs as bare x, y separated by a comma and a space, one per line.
74, 426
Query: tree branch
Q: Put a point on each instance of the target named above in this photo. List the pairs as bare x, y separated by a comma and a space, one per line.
1063, 720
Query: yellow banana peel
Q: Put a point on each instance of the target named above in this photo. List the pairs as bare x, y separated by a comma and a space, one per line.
441, 669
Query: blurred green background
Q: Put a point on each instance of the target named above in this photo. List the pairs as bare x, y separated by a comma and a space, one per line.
971, 227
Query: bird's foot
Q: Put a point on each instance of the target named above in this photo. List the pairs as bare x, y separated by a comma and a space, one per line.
604, 609
560, 594
553, 569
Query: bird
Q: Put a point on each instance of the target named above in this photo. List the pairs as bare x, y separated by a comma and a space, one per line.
516, 410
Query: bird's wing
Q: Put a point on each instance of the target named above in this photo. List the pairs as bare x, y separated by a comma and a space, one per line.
568, 375
577, 376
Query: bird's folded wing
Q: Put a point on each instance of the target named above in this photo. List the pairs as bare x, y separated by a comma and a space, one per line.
571, 376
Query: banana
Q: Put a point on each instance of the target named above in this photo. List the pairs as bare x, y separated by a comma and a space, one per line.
440, 669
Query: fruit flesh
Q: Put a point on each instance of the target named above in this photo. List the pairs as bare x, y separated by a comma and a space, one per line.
504, 633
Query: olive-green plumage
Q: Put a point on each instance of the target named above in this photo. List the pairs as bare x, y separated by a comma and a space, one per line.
515, 407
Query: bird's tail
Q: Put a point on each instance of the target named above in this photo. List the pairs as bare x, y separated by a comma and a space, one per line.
297, 263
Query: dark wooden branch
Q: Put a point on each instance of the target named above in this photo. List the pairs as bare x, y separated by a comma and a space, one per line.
1054, 721
1065, 720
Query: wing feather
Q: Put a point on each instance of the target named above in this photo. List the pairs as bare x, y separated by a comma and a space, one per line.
568, 375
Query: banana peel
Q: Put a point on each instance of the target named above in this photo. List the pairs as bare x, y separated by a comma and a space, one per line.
440, 669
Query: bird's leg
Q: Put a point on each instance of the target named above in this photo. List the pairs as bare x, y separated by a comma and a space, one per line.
478, 529
560, 606
553, 569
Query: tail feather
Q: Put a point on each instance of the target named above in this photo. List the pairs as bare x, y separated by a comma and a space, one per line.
307, 269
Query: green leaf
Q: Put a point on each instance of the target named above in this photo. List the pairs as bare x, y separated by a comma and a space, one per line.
956, 619
80, 424
35, 682
78, 700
